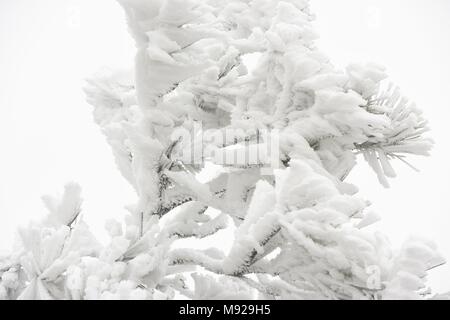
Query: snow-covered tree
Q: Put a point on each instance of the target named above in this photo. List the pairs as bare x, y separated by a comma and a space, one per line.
189, 104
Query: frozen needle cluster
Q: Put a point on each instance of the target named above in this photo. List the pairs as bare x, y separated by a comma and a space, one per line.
300, 229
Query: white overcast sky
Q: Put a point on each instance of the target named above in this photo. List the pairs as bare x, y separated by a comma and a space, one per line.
47, 135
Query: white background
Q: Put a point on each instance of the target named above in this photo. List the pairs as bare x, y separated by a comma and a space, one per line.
47, 135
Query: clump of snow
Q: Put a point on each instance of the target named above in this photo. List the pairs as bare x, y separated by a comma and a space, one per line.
236, 69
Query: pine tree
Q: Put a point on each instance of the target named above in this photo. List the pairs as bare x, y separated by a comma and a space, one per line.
282, 138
